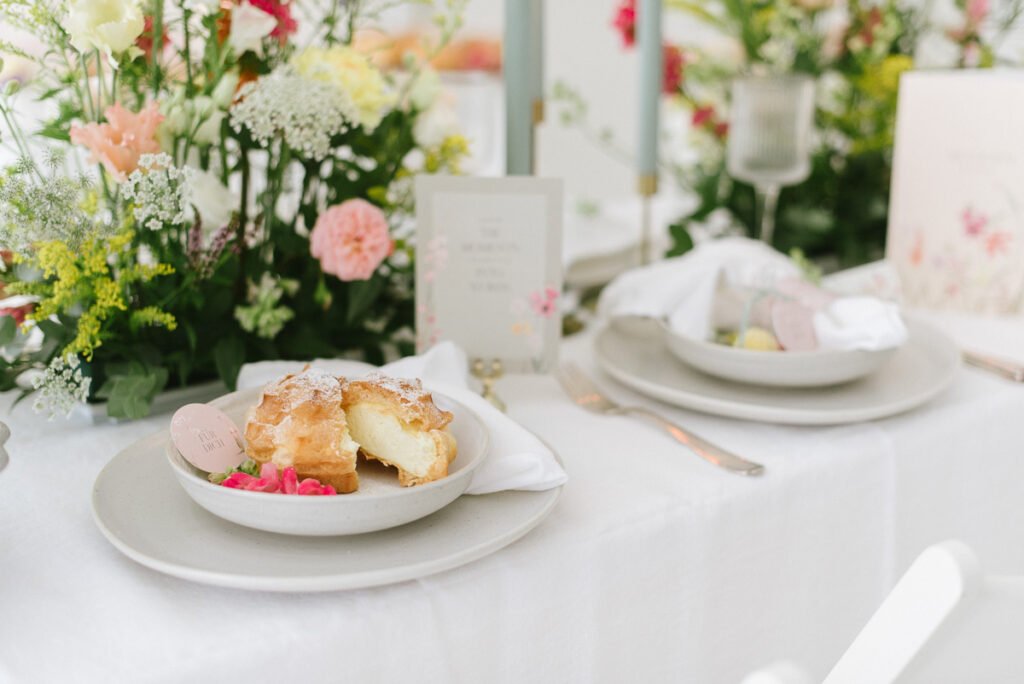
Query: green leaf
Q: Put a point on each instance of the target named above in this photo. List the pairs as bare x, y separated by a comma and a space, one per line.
229, 355
190, 334
130, 393
8, 329
54, 133
361, 296
681, 240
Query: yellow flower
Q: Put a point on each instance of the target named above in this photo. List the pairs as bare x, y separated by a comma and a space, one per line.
152, 316
352, 72
92, 281
447, 156
883, 78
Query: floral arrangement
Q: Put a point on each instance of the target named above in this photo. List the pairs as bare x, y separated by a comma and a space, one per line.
213, 182
857, 49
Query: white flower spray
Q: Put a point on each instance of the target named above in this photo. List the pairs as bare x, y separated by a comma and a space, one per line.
60, 387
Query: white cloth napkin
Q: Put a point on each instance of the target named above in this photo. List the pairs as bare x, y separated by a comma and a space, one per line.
517, 459
703, 290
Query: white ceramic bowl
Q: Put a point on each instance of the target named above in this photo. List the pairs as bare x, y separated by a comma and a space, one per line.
379, 504
776, 369
772, 369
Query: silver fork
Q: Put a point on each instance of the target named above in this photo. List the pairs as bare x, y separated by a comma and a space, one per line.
586, 394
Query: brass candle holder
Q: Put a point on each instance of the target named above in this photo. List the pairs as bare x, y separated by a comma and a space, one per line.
647, 187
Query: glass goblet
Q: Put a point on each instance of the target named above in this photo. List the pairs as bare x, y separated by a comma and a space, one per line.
770, 137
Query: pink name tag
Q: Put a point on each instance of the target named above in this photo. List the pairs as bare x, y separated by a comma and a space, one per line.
207, 438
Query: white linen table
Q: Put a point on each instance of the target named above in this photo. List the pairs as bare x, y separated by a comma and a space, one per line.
654, 567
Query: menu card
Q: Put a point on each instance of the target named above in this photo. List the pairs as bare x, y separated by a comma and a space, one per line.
489, 268
956, 215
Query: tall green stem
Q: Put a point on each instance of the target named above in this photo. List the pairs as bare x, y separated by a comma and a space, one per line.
99, 82
189, 85
92, 112
158, 41
242, 222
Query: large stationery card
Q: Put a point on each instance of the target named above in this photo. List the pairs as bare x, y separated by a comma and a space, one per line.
489, 268
956, 215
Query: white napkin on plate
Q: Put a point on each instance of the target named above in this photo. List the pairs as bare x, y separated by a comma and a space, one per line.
517, 459
708, 287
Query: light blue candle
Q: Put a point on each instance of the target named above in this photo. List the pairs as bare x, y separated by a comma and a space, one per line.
515, 63
536, 60
648, 36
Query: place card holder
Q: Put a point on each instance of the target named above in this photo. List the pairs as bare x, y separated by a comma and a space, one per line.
488, 373
489, 272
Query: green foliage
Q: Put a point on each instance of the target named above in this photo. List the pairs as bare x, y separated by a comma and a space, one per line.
841, 209
229, 355
130, 388
129, 281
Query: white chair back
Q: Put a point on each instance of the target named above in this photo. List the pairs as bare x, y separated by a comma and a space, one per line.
945, 621
782, 672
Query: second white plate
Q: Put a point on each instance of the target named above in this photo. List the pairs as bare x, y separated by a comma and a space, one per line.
922, 368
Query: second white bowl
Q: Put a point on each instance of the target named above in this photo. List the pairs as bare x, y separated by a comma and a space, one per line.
775, 369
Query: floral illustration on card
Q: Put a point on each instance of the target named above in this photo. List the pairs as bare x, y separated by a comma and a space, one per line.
434, 259
975, 263
531, 315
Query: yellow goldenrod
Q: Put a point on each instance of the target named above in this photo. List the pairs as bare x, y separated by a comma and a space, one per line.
93, 282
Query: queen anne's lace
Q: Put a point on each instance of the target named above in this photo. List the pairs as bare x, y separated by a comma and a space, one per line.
61, 386
35, 208
306, 112
160, 192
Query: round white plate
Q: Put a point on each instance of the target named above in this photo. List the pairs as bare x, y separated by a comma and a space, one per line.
146, 515
922, 368
379, 503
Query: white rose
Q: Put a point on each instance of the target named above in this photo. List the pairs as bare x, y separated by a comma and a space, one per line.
110, 26
224, 93
209, 131
249, 26
214, 202
436, 124
425, 89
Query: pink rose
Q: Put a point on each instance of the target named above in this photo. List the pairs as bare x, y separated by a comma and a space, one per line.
120, 142
351, 240
977, 11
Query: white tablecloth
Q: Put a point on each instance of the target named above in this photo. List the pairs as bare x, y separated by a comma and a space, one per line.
654, 567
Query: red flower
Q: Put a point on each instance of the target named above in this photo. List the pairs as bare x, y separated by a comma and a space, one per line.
702, 116
872, 20
18, 313
282, 11
279, 9
707, 118
145, 40
672, 76
625, 22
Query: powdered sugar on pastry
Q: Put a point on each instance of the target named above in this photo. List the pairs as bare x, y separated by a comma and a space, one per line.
300, 422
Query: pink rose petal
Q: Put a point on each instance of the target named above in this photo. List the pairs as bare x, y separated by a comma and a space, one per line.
289, 481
